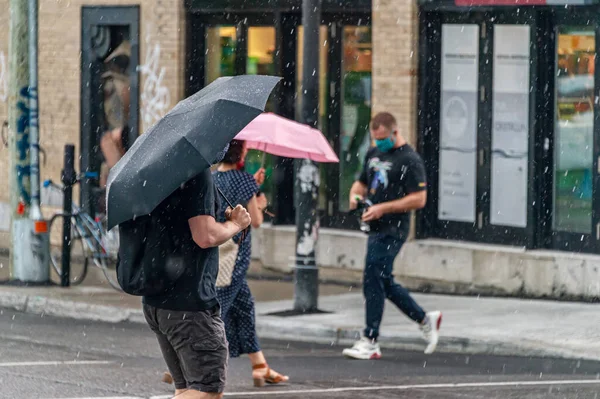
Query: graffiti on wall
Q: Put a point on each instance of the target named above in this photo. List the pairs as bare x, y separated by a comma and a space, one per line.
155, 97
22, 144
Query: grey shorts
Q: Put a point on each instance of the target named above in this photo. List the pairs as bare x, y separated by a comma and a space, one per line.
194, 347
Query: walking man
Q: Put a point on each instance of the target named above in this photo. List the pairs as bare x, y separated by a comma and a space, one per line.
393, 180
186, 319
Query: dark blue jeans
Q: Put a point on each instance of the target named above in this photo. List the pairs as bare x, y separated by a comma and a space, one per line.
378, 283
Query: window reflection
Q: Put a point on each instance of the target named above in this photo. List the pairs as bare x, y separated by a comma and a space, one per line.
356, 106
220, 52
573, 157
260, 61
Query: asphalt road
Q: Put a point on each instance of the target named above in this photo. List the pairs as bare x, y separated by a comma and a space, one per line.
44, 357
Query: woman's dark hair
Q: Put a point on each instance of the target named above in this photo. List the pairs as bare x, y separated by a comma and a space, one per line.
234, 153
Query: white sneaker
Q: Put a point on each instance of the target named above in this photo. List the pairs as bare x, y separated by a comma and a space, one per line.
364, 349
431, 328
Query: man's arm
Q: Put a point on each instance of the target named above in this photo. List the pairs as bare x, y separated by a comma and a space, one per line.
360, 186
411, 202
358, 189
199, 193
208, 233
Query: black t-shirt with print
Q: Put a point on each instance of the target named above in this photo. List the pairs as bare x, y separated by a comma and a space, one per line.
390, 176
195, 290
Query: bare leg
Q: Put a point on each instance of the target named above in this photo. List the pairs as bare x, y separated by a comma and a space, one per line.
257, 358
193, 394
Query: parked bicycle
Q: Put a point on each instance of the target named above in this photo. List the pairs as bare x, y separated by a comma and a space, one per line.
90, 241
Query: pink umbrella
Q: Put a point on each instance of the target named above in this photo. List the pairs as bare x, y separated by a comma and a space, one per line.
280, 136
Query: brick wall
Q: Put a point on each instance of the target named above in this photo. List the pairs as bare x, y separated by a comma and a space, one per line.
161, 37
395, 61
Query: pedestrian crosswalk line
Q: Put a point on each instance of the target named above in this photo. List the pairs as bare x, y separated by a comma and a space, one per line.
411, 387
465, 385
113, 397
56, 363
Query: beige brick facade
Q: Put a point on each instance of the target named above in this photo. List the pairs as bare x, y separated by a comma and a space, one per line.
162, 33
395, 61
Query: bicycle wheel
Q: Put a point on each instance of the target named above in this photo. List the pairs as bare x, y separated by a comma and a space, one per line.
79, 260
106, 256
109, 268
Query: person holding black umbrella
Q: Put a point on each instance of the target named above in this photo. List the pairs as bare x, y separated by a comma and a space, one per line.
187, 318
162, 196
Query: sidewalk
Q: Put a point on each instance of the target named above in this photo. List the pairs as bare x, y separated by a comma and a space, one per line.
471, 325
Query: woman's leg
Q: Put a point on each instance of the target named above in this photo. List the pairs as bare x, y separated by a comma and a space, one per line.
243, 312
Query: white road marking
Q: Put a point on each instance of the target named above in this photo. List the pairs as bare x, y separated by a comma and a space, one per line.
410, 387
55, 363
384, 388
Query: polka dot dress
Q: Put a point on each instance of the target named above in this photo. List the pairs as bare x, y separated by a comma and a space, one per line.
237, 303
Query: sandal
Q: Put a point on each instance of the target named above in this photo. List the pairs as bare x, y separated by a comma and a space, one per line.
270, 376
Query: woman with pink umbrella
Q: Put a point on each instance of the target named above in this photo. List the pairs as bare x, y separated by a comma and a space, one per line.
277, 136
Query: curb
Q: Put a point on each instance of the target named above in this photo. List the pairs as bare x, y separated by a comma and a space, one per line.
271, 327
304, 332
41, 305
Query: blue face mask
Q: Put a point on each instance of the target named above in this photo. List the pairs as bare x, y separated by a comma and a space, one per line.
386, 144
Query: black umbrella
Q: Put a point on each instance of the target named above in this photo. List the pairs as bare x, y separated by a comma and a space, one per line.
183, 143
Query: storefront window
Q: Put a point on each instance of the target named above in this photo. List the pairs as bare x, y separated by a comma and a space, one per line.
220, 52
261, 50
356, 106
573, 156
115, 83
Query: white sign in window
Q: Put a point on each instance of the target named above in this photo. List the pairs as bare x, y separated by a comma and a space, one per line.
510, 126
458, 122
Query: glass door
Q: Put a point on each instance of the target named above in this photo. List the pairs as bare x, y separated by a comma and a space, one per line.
345, 112
354, 139
575, 147
476, 128
221, 49
323, 73
508, 172
260, 60
454, 164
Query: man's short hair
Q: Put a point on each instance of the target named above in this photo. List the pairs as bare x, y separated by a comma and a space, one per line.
383, 119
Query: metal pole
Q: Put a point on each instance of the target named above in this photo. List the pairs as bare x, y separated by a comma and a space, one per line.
40, 239
18, 121
307, 173
68, 179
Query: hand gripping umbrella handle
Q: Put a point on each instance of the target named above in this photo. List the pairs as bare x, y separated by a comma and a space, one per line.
245, 231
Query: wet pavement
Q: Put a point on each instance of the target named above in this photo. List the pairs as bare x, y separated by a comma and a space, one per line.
265, 285
46, 357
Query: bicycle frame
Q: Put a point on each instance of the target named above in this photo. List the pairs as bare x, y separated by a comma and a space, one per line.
85, 225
